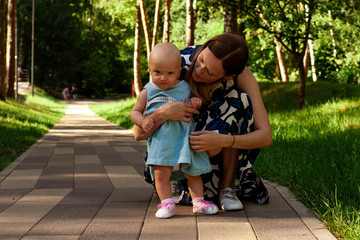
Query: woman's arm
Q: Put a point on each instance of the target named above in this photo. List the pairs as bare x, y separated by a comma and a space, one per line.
261, 137
178, 111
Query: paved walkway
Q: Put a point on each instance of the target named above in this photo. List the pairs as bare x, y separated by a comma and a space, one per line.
83, 180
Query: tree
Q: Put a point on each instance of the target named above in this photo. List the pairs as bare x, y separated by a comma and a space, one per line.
166, 32
190, 22
279, 53
290, 24
10, 48
137, 51
230, 9
145, 27
2, 51
156, 23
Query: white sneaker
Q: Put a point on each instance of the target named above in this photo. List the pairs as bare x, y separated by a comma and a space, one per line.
166, 210
228, 200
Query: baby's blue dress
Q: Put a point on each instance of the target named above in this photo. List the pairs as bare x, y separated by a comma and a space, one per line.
169, 144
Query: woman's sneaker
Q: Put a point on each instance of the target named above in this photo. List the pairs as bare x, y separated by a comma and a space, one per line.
166, 209
203, 206
228, 200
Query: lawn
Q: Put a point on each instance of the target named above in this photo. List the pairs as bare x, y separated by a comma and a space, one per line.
315, 151
22, 123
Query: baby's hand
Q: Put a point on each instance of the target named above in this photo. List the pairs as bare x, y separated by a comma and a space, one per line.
148, 124
195, 102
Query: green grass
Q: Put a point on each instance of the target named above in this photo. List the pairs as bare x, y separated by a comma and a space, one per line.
118, 112
22, 123
315, 151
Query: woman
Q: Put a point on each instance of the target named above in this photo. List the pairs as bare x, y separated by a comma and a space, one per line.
221, 74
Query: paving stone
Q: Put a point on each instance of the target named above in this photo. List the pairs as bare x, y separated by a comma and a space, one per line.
73, 214
21, 179
20, 217
63, 151
117, 220
9, 196
124, 195
56, 177
126, 177
182, 226
52, 237
125, 149
112, 159
225, 225
33, 163
87, 159
134, 157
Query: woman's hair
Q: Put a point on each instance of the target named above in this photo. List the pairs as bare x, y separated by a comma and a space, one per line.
233, 52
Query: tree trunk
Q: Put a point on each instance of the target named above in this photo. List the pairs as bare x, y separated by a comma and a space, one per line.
241, 26
190, 22
156, 23
333, 39
279, 54
137, 50
350, 32
145, 27
2, 51
230, 17
306, 61
282, 63
312, 61
10, 48
166, 33
302, 84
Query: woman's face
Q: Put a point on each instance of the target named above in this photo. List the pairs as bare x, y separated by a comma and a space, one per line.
208, 68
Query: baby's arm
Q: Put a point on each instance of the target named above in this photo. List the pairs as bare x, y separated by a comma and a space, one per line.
195, 102
137, 116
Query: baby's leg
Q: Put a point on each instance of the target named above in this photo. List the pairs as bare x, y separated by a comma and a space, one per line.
195, 186
162, 181
166, 208
197, 193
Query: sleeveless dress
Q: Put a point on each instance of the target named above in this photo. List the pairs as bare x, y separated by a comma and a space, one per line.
169, 144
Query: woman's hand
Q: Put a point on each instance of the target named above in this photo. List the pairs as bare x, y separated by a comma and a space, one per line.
177, 111
206, 140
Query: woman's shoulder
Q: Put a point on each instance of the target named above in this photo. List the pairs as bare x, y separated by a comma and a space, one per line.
187, 55
189, 50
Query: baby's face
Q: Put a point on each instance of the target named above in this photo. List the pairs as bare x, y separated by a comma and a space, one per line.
165, 72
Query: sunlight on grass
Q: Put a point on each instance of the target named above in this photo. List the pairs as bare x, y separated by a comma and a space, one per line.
118, 113
22, 123
315, 153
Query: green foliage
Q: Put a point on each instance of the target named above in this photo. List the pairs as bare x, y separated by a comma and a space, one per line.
91, 46
315, 151
85, 45
117, 112
23, 123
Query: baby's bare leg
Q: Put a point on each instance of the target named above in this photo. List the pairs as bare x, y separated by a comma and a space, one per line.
195, 186
162, 181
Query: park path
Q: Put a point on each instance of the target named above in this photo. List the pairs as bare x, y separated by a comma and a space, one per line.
83, 180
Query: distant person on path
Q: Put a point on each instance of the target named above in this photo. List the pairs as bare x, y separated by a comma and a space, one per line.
168, 146
227, 121
20, 73
65, 93
73, 92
